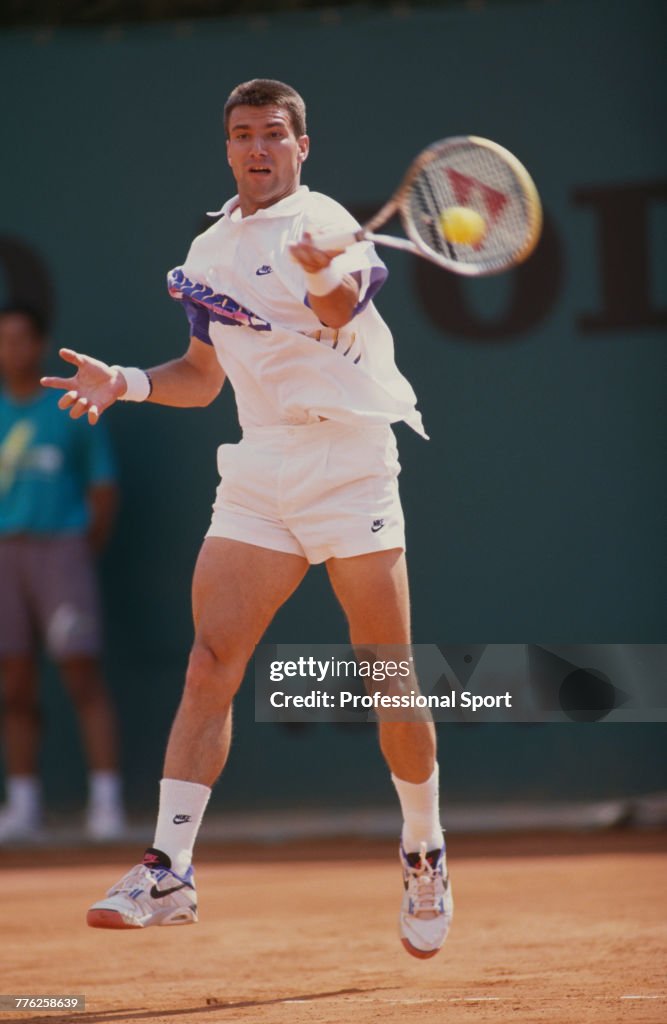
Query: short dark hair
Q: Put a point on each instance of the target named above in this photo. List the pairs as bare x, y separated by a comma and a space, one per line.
266, 92
34, 316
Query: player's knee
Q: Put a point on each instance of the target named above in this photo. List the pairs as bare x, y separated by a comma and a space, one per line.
214, 674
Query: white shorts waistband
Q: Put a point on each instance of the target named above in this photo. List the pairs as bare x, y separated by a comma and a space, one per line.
314, 431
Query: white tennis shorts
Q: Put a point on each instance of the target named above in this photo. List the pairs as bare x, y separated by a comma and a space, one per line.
319, 490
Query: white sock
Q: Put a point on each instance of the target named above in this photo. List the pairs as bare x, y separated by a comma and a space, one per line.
24, 797
182, 806
104, 792
421, 812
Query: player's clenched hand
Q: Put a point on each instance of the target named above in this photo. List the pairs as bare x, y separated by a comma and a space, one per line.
93, 388
312, 259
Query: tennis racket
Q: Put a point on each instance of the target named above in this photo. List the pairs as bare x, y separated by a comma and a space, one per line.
495, 192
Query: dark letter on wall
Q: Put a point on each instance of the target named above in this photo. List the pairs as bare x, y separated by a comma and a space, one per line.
623, 212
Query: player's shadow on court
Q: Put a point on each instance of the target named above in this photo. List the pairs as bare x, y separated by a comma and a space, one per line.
213, 1005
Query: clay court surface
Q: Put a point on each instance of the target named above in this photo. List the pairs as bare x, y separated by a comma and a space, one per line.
568, 928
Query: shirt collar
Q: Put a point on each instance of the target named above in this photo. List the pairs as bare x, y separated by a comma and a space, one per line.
283, 208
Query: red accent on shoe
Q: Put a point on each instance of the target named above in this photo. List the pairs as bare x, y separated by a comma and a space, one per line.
421, 954
107, 919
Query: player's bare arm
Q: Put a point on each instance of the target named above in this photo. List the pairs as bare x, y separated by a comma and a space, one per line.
194, 379
336, 307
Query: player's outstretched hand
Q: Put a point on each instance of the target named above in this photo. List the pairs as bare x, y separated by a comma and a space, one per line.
93, 388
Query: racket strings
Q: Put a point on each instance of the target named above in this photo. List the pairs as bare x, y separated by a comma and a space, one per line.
475, 177
426, 219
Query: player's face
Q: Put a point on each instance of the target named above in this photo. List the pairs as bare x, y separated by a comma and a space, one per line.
21, 348
265, 155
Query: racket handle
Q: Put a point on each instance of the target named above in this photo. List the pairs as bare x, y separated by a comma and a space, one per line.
342, 241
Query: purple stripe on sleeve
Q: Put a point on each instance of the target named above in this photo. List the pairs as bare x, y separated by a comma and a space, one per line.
198, 320
378, 276
219, 308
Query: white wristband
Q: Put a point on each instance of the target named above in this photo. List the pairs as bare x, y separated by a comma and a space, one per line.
324, 281
139, 384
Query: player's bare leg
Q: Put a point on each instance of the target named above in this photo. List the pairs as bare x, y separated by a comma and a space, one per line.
373, 591
237, 589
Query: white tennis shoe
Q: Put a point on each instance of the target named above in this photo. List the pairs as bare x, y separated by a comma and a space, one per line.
151, 893
428, 906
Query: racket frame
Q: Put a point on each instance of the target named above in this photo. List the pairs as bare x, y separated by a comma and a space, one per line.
414, 243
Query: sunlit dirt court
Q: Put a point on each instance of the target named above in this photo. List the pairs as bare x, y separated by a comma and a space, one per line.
567, 928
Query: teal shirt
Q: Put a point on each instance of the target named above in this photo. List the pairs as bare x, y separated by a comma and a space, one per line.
47, 464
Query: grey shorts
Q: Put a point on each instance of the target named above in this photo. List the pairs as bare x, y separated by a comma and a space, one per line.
48, 596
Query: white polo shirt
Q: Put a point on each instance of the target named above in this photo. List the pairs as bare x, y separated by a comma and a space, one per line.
245, 295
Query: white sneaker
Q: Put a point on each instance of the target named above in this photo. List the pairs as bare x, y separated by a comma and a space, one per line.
428, 906
16, 827
105, 823
151, 893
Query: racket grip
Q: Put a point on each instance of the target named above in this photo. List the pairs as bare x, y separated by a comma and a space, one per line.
341, 241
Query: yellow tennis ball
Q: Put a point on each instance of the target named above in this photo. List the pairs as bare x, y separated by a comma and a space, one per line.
462, 226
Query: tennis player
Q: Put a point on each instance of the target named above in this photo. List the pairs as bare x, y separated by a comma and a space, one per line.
314, 479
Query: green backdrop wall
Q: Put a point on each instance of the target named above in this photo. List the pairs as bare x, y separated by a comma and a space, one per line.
537, 510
